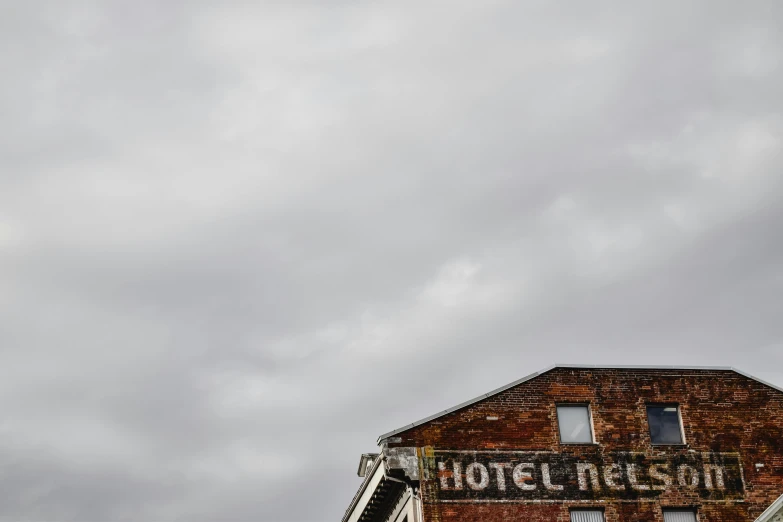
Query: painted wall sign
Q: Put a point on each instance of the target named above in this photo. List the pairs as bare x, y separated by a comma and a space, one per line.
464, 476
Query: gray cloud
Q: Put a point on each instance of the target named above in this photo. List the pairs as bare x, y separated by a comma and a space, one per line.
238, 242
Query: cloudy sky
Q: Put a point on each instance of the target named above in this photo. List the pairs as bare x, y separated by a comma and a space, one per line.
240, 240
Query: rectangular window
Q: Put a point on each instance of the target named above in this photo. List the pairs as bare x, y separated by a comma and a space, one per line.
587, 515
665, 425
574, 423
679, 515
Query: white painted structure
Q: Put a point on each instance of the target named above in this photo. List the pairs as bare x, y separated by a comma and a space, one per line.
774, 513
383, 497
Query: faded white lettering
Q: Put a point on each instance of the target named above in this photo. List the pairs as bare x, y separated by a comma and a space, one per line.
664, 479
708, 469
611, 475
500, 473
470, 476
478, 475
581, 470
456, 474
633, 480
522, 478
548, 479
684, 472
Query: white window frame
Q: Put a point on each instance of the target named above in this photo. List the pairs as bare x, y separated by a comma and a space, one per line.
680, 510
679, 419
585, 405
571, 511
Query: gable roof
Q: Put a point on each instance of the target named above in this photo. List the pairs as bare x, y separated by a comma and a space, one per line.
775, 509
573, 366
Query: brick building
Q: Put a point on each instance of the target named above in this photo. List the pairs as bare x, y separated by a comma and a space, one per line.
587, 444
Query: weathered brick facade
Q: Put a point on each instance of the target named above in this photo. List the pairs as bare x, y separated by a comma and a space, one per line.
509, 462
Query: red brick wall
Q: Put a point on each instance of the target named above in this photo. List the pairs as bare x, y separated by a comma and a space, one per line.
722, 412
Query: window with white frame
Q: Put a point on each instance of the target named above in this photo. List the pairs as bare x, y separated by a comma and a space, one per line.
679, 515
587, 515
665, 426
574, 423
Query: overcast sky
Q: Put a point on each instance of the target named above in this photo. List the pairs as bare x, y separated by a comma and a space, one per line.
239, 241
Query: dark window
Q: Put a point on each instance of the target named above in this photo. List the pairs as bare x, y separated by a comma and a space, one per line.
587, 515
574, 423
664, 424
679, 515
